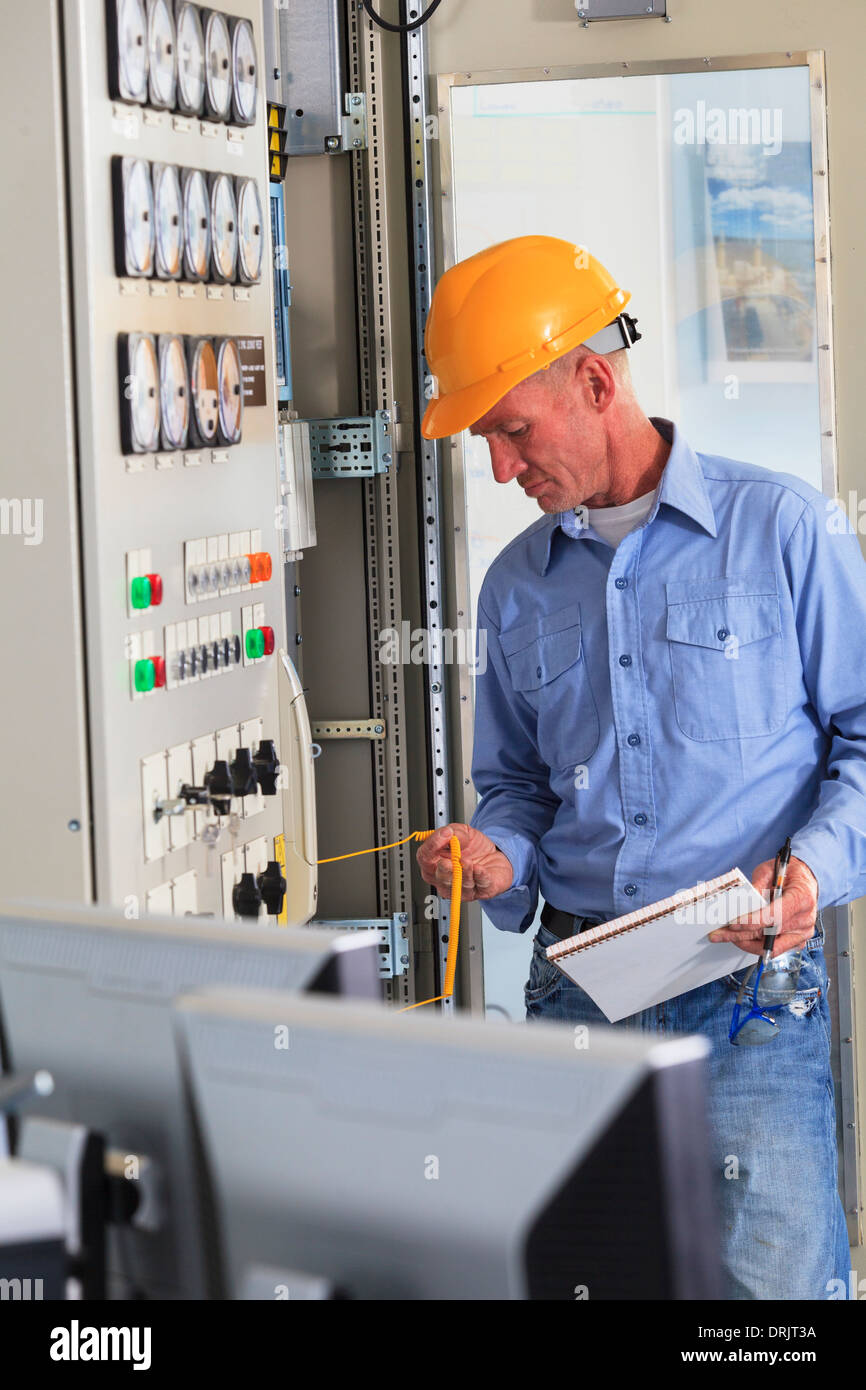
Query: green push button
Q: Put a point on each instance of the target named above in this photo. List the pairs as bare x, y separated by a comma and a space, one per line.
255, 643
145, 675
139, 591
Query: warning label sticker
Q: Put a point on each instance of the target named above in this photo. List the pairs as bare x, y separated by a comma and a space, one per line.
252, 354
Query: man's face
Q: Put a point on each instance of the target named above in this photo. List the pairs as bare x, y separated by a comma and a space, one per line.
545, 434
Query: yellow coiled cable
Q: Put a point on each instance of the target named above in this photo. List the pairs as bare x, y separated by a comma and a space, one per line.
454, 913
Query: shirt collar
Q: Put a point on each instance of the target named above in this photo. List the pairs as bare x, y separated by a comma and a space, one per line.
682, 486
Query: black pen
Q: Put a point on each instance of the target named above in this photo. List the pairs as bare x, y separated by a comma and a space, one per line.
779, 871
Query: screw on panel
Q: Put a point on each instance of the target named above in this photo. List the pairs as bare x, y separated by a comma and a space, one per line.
74, 825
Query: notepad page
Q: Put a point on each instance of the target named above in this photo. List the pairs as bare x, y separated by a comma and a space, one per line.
659, 951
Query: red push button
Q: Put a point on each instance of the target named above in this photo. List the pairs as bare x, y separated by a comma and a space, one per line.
155, 589
268, 639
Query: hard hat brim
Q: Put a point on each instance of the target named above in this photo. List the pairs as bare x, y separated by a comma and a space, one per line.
456, 412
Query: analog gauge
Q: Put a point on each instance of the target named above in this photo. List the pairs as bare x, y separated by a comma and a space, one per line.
173, 391
139, 392
231, 404
204, 390
224, 227
168, 221
244, 73
217, 67
127, 50
196, 226
251, 232
190, 60
133, 216
162, 58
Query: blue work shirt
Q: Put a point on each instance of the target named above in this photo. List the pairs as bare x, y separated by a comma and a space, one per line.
654, 714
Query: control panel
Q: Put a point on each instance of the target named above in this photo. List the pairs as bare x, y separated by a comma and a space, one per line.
179, 480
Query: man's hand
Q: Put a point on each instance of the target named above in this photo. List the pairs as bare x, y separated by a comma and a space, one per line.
486, 870
795, 911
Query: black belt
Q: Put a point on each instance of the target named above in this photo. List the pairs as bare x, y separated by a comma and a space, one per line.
565, 924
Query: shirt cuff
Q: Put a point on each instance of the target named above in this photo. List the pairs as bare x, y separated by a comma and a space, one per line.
514, 909
819, 850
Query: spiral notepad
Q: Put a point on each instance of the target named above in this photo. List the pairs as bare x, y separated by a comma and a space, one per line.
659, 951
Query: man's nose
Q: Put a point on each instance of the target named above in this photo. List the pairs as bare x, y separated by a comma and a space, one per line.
505, 460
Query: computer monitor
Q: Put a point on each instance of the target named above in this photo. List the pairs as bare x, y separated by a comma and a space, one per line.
410, 1157
88, 995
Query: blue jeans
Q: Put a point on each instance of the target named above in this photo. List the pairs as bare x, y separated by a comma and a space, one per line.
772, 1122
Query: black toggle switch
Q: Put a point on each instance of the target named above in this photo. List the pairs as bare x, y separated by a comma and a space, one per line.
219, 785
246, 898
273, 888
267, 765
243, 773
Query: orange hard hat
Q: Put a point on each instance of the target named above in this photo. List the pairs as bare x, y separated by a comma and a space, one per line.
506, 312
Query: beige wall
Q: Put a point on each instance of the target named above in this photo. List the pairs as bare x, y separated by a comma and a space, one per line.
471, 36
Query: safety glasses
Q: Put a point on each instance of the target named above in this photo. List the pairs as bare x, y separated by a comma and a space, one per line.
772, 987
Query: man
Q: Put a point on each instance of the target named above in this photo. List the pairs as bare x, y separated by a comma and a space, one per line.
676, 653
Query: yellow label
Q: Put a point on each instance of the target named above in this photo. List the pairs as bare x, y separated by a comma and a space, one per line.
280, 856
273, 116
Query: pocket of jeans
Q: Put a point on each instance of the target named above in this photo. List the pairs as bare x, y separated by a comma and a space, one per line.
725, 643
544, 976
547, 667
802, 1002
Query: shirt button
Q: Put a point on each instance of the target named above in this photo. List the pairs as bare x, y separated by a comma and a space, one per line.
640, 818
722, 634
621, 583
633, 740
625, 661
631, 889
538, 671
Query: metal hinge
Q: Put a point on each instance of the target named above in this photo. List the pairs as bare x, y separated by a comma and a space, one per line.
393, 946
353, 126
351, 446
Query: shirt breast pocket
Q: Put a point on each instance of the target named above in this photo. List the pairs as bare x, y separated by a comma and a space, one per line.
547, 667
725, 644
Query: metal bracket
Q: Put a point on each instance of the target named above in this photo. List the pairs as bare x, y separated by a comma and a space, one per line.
351, 446
393, 946
343, 728
353, 126
590, 11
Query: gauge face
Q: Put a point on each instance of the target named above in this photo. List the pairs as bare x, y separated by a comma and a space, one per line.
139, 387
217, 66
251, 233
196, 226
168, 221
224, 227
244, 73
205, 391
173, 391
133, 216
128, 53
190, 60
231, 404
162, 59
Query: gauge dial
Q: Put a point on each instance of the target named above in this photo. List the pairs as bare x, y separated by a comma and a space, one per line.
133, 216
168, 221
224, 227
244, 73
173, 391
161, 52
231, 402
190, 60
251, 232
196, 226
127, 50
139, 392
204, 390
217, 67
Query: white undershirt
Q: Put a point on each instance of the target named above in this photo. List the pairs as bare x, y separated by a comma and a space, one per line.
612, 523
